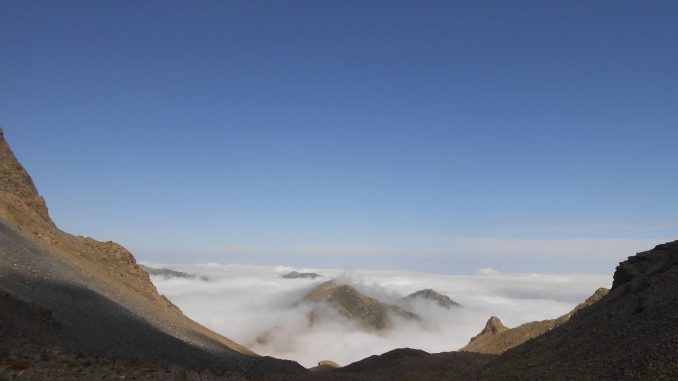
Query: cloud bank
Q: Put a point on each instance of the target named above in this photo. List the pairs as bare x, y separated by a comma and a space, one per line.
254, 306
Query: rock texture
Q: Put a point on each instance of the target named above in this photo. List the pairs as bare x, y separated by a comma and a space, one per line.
496, 338
369, 312
82, 297
428, 294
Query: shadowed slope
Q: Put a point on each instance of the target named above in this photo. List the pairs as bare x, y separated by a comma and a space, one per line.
496, 338
631, 334
103, 301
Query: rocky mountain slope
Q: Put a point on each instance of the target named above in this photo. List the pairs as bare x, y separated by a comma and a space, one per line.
496, 338
630, 334
349, 302
72, 308
80, 297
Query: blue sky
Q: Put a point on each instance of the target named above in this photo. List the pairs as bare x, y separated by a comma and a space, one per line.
442, 136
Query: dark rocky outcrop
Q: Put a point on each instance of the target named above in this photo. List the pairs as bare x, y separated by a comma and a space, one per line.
636, 270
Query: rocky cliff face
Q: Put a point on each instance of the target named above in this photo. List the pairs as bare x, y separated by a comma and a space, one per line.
637, 270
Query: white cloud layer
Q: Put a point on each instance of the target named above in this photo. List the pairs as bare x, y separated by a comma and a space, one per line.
246, 302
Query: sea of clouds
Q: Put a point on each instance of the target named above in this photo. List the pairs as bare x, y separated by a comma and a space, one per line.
247, 303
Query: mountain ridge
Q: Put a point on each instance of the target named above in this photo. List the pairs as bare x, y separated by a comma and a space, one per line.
102, 304
72, 307
496, 338
352, 304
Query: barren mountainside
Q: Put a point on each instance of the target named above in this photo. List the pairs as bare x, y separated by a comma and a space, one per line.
72, 308
496, 338
94, 298
630, 334
352, 304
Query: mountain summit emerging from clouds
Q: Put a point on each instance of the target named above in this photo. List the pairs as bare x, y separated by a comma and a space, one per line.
72, 307
354, 305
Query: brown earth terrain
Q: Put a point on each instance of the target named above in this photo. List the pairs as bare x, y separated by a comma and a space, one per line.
630, 334
73, 308
496, 338
83, 298
352, 304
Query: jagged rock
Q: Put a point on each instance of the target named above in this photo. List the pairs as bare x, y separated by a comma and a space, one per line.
492, 327
643, 265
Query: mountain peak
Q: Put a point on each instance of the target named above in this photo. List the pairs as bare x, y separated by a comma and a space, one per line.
354, 305
429, 294
493, 326
19, 198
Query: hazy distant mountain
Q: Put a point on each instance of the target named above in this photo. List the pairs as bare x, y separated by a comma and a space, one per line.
352, 304
298, 275
168, 273
428, 294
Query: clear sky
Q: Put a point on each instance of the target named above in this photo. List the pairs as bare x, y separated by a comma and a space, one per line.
434, 135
